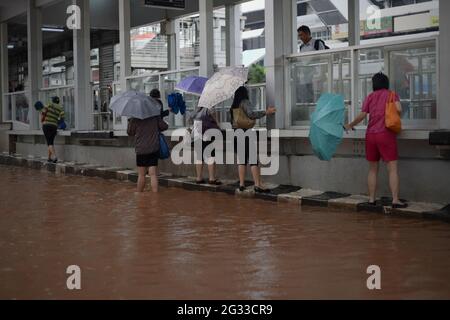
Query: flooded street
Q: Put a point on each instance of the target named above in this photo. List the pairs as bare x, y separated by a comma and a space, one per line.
197, 245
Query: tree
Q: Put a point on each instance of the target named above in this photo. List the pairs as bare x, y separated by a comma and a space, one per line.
256, 74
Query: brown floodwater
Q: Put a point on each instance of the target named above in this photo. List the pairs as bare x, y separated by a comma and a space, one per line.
198, 245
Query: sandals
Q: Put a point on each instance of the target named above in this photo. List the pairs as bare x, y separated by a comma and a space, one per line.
394, 205
215, 182
260, 190
399, 205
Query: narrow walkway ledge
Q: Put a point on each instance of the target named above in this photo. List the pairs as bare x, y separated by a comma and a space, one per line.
282, 193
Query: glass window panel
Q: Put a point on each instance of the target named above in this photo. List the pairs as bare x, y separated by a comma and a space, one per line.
22, 108
413, 77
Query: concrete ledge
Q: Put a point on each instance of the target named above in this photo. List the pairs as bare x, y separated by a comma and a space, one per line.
321, 200
296, 197
281, 193
60, 169
350, 203
123, 175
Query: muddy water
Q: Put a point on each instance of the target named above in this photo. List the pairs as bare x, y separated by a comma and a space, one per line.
197, 245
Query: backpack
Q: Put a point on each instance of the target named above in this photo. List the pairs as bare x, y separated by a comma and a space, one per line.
176, 103
317, 44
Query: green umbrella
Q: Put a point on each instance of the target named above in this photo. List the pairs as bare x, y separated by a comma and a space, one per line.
327, 125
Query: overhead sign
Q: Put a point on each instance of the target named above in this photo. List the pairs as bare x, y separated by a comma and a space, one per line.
167, 4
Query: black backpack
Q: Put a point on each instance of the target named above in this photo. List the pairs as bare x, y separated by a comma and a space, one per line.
317, 44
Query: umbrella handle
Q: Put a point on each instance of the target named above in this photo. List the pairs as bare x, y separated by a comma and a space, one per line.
353, 129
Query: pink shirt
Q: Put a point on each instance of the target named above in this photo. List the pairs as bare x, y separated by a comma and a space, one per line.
375, 106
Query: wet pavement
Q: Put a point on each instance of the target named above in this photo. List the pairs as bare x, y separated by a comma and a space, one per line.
182, 244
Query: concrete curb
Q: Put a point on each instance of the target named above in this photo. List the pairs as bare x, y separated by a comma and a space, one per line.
279, 193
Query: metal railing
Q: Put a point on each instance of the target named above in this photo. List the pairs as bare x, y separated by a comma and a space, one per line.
410, 64
166, 81
16, 107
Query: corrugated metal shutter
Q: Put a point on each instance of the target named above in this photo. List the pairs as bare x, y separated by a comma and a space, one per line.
106, 54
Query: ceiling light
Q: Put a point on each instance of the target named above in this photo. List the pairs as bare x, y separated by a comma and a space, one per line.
52, 29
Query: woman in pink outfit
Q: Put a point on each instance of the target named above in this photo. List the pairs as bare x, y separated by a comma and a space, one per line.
381, 143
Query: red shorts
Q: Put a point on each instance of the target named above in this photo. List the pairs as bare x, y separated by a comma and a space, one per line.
381, 146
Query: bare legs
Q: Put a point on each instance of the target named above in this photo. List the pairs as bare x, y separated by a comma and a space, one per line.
372, 180
241, 169
142, 172
51, 152
211, 171
393, 180
256, 173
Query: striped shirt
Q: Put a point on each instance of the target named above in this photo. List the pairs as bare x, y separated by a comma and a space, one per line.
53, 112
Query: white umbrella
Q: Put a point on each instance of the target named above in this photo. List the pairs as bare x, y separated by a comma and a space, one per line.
135, 104
222, 86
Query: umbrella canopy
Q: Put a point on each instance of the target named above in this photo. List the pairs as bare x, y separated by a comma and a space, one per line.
327, 125
222, 86
192, 85
135, 104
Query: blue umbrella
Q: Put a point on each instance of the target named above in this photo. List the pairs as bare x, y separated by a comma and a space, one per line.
192, 85
327, 125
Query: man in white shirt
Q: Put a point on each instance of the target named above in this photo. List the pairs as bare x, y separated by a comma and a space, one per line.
309, 43
305, 90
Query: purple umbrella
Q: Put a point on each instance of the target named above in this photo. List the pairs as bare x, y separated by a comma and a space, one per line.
192, 85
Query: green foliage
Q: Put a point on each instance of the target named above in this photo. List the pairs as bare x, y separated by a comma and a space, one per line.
256, 74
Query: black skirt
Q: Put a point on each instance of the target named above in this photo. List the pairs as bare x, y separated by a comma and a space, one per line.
147, 160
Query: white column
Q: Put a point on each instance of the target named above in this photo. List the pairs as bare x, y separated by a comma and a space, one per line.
4, 78
172, 28
206, 38
354, 24
82, 67
444, 65
125, 45
34, 25
173, 52
354, 39
233, 35
280, 16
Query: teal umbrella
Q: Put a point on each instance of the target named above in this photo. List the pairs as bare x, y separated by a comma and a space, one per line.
327, 123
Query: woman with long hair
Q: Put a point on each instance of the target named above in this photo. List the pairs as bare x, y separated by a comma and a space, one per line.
241, 105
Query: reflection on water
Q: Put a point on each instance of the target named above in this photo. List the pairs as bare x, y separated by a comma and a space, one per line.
197, 245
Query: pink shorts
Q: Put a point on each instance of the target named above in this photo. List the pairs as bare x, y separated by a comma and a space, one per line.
381, 146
